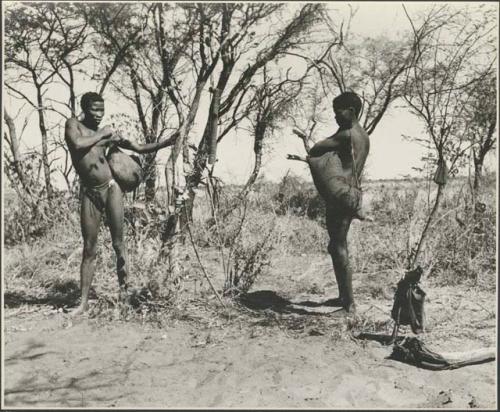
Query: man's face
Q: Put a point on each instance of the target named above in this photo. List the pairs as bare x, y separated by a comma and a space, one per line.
95, 112
343, 116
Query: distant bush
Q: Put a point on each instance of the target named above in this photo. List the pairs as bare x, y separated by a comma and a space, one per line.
299, 198
25, 223
464, 244
461, 242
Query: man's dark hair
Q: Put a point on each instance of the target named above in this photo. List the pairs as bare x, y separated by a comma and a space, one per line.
348, 99
88, 98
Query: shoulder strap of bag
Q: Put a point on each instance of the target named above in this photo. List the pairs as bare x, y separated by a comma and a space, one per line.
354, 169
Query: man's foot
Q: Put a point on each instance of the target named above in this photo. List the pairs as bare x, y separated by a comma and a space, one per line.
360, 215
335, 302
339, 302
350, 308
80, 310
348, 305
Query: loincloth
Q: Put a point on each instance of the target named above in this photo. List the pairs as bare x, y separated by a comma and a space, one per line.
98, 195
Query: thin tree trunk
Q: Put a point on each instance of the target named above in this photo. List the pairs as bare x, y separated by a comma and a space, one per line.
189, 202
184, 132
14, 144
257, 148
202, 154
168, 171
45, 149
437, 201
170, 246
150, 177
71, 86
478, 172
150, 181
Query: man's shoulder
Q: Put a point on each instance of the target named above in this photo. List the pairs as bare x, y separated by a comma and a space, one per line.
72, 128
342, 134
73, 122
359, 132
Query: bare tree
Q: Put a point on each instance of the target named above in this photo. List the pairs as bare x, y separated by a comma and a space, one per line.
375, 68
11, 138
481, 118
236, 44
243, 18
452, 64
66, 51
23, 170
117, 34
272, 102
26, 36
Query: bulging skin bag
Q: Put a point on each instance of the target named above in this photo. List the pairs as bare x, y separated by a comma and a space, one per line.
332, 185
126, 170
408, 308
324, 170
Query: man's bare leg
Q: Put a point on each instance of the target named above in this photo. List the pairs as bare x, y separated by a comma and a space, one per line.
90, 218
338, 225
115, 215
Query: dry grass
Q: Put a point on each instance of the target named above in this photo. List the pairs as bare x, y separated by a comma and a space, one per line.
461, 250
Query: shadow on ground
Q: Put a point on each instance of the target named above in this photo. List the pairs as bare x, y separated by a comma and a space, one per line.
43, 385
271, 300
64, 293
74, 391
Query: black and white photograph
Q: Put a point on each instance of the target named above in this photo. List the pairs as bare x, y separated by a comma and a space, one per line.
249, 205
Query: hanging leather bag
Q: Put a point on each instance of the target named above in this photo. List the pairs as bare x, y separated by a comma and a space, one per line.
408, 308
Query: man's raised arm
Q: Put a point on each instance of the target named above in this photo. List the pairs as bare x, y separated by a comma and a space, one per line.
76, 140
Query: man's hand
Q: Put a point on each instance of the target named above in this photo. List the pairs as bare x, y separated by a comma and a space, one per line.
106, 132
114, 140
117, 140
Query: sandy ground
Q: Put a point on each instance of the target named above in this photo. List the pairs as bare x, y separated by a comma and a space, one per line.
255, 359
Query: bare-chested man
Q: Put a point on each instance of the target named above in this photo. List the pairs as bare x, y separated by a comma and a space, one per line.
336, 164
100, 192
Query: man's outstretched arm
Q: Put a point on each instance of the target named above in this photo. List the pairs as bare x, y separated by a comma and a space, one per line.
147, 147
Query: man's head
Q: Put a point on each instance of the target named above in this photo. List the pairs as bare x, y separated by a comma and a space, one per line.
93, 107
347, 107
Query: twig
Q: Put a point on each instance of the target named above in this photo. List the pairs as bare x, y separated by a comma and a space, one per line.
490, 313
296, 157
201, 264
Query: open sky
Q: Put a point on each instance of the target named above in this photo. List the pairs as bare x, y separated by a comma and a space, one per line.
390, 156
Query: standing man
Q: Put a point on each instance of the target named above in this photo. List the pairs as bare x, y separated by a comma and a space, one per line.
336, 165
100, 192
